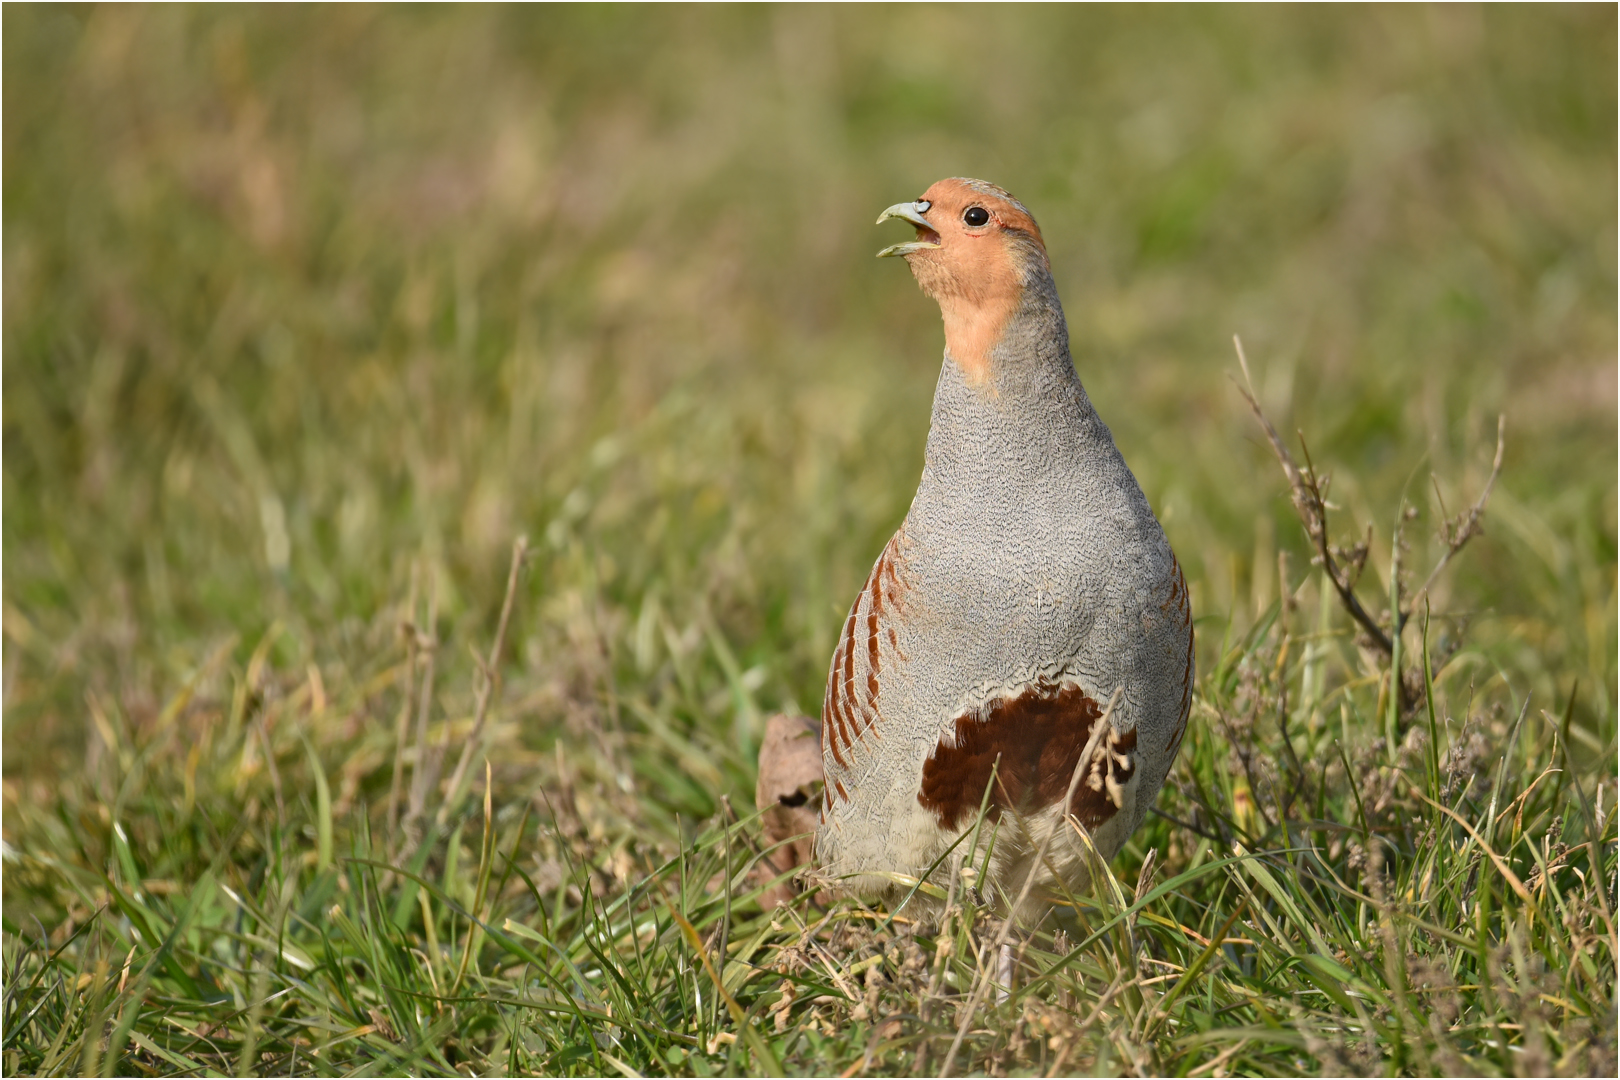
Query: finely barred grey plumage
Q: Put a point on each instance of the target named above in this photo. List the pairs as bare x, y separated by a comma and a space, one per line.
1029, 582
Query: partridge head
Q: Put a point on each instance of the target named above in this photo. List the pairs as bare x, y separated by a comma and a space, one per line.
1023, 642
977, 250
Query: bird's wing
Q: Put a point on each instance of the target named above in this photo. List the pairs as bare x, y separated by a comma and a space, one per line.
850, 714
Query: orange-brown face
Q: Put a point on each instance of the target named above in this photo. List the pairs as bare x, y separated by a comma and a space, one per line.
975, 248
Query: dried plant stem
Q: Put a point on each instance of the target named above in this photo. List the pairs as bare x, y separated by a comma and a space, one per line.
1468, 525
488, 684
1312, 510
1306, 488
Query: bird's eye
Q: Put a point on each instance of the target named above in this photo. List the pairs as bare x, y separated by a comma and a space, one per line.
976, 215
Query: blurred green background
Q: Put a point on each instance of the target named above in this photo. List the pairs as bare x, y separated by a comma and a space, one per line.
296, 298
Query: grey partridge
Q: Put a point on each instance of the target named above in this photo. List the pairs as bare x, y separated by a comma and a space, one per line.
1029, 584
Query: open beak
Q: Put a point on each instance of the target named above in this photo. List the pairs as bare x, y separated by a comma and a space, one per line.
913, 212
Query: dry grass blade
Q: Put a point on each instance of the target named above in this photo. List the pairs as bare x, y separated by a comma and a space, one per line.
489, 683
1496, 860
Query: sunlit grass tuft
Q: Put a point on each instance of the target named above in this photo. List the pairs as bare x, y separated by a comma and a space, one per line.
1443, 907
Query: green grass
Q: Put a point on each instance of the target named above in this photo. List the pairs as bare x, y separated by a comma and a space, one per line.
310, 313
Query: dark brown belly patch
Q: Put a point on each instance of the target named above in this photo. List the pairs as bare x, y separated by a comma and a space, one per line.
1038, 737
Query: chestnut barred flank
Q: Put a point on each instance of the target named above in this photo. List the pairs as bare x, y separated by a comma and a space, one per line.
1030, 745
850, 709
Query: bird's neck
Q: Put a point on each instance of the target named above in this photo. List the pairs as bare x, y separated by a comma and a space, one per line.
1008, 345
1027, 414
973, 327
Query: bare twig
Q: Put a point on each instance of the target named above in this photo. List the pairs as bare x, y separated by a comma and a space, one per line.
1312, 510
1306, 487
485, 692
